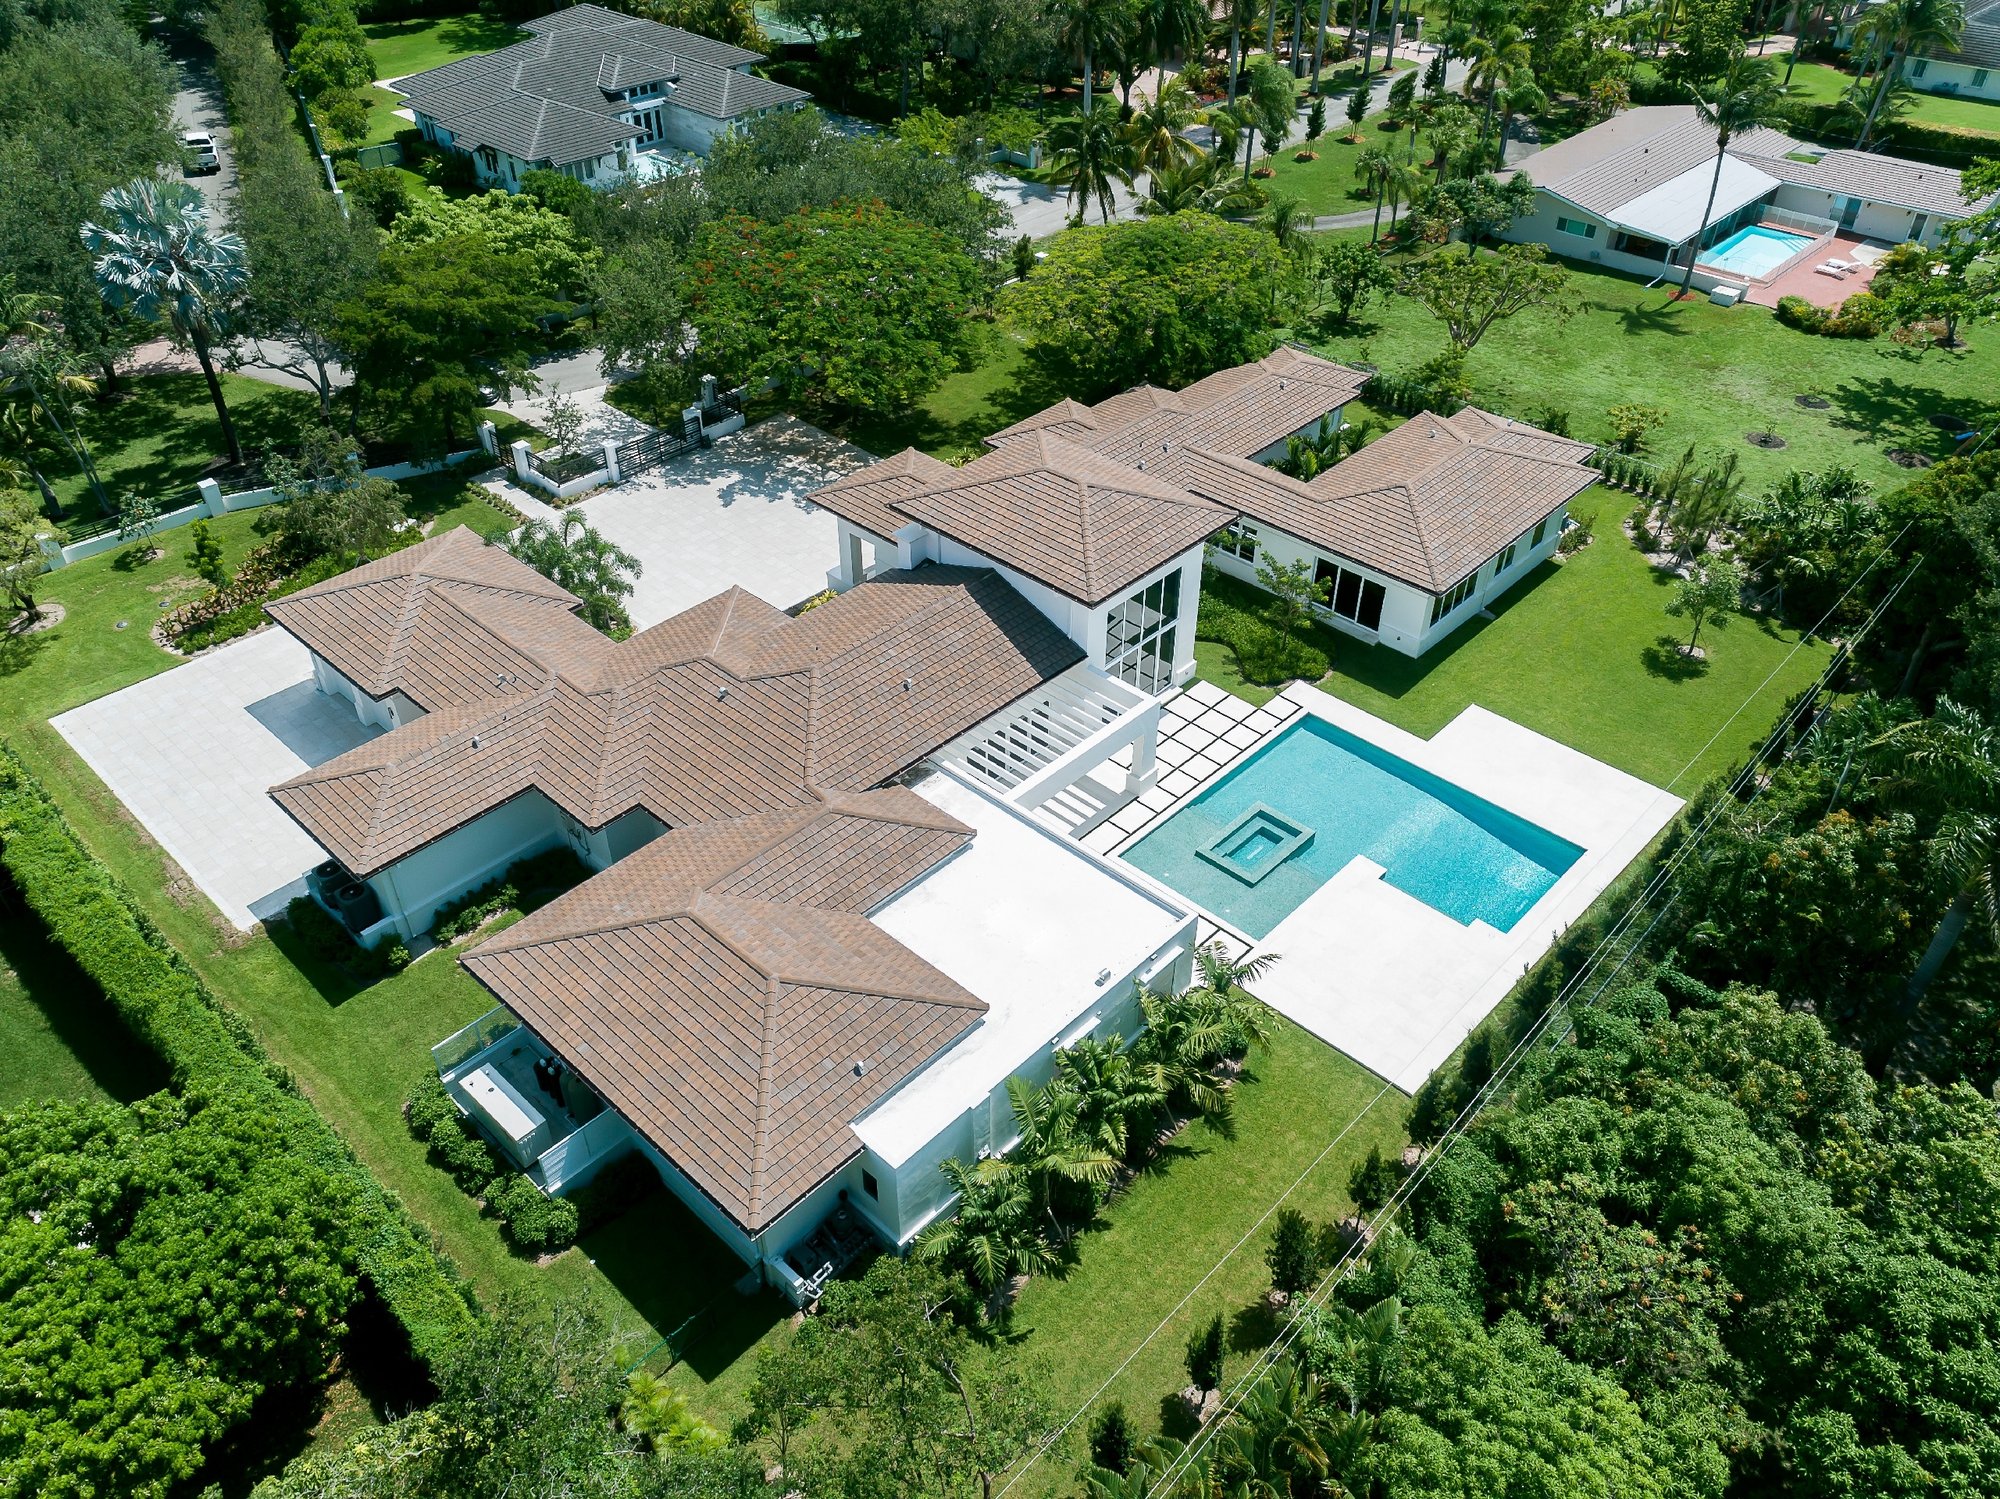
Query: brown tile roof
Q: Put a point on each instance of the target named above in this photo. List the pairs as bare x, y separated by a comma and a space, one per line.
724, 991
727, 709
422, 620
867, 496
1236, 412
1426, 503
1084, 524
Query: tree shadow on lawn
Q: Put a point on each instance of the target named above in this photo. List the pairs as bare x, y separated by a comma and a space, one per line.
164, 436
1638, 320
1663, 659
18, 652
1895, 412
72, 1006
682, 1280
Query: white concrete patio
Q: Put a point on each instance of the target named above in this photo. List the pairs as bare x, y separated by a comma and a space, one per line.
1374, 971
191, 751
732, 513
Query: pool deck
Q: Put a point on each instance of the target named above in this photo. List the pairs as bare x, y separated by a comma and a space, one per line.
1822, 291
1396, 984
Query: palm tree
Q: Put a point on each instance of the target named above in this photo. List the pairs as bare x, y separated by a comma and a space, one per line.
1172, 28
1237, 15
1051, 1150
1116, 1101
1520, 95
1496, 62
1090, 156
1950, 762
1204, 185
992, 1237
1289, 222
1269, 106
39, 376
1158, 129
158, 256
1275, 1436
1744, 97
1373, 167
1092, 27
1224, 981
1903, 27
578, 557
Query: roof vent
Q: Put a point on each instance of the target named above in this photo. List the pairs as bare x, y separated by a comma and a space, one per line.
1281, 385
1103, 977
722, 692
860, 1066
475, 741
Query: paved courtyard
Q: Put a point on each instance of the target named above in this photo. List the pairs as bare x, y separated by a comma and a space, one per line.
191, 751
732, 513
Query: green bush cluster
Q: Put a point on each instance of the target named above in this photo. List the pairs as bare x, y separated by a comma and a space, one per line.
1626, 471
1409, 394
538, 875
1239, 616
209, 1048
327, 941
1860, 316
533, 1221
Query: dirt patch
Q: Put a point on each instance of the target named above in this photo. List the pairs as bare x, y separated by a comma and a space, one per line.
1904, 458
48, 617
1770, 441
1813, 403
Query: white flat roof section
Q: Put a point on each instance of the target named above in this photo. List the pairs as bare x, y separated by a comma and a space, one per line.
1027, 922
1397, 984
1671, 212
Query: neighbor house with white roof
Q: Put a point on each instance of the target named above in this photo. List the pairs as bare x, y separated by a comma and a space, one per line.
1630, 194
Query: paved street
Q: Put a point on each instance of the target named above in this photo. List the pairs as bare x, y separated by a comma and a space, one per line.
198, 106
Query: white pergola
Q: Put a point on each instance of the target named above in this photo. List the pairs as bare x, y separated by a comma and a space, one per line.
1042, 751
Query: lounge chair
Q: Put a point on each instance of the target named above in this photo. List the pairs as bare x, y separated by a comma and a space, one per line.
1839, 273
1843, 265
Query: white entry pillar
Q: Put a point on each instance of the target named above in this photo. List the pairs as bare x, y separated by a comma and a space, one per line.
611, 461
521, 468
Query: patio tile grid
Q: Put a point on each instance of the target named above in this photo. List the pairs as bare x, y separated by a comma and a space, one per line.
1203, 732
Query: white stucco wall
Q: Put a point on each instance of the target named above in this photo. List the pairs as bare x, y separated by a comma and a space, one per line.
1882, 221
414, 887
1963, 79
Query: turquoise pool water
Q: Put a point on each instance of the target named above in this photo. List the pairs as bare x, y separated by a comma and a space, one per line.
1754, 252
1254, 845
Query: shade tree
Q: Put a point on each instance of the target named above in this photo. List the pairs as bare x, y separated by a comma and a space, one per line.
1469, 292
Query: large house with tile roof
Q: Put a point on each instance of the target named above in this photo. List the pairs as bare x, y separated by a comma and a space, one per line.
590, 93
839, 892
1630, 194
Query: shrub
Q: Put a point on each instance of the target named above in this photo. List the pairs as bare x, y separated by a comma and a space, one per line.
1860, 316
543, 874
534, 1222
1577, 536
1203, 1358
1294, 1255
327, 941
92, 917
1373, 1181
1235, 614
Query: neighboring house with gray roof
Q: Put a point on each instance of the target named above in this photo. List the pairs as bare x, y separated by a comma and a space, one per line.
592, 94
1630, 194
1972, 68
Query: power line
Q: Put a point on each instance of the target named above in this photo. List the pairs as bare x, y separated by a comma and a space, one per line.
1561, 1006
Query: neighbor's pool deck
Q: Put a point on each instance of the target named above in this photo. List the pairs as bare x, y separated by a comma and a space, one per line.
1389, 980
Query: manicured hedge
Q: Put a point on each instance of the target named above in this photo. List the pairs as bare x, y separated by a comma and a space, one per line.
166, 1003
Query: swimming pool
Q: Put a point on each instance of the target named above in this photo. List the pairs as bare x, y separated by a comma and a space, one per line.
1754, 253
1252, 847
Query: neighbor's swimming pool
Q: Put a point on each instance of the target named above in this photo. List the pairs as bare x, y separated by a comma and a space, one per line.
1252, 847
1754, 252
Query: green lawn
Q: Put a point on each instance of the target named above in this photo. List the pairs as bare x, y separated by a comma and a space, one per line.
1823, 84
400, 48
59, 1039
1577, 651
1718, 372
1183, 1223
997, 387
1328, 185
160, 434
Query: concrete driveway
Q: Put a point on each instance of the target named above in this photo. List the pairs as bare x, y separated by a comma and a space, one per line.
735, 513
191, 752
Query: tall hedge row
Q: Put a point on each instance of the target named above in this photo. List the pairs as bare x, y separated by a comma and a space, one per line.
206, 1045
